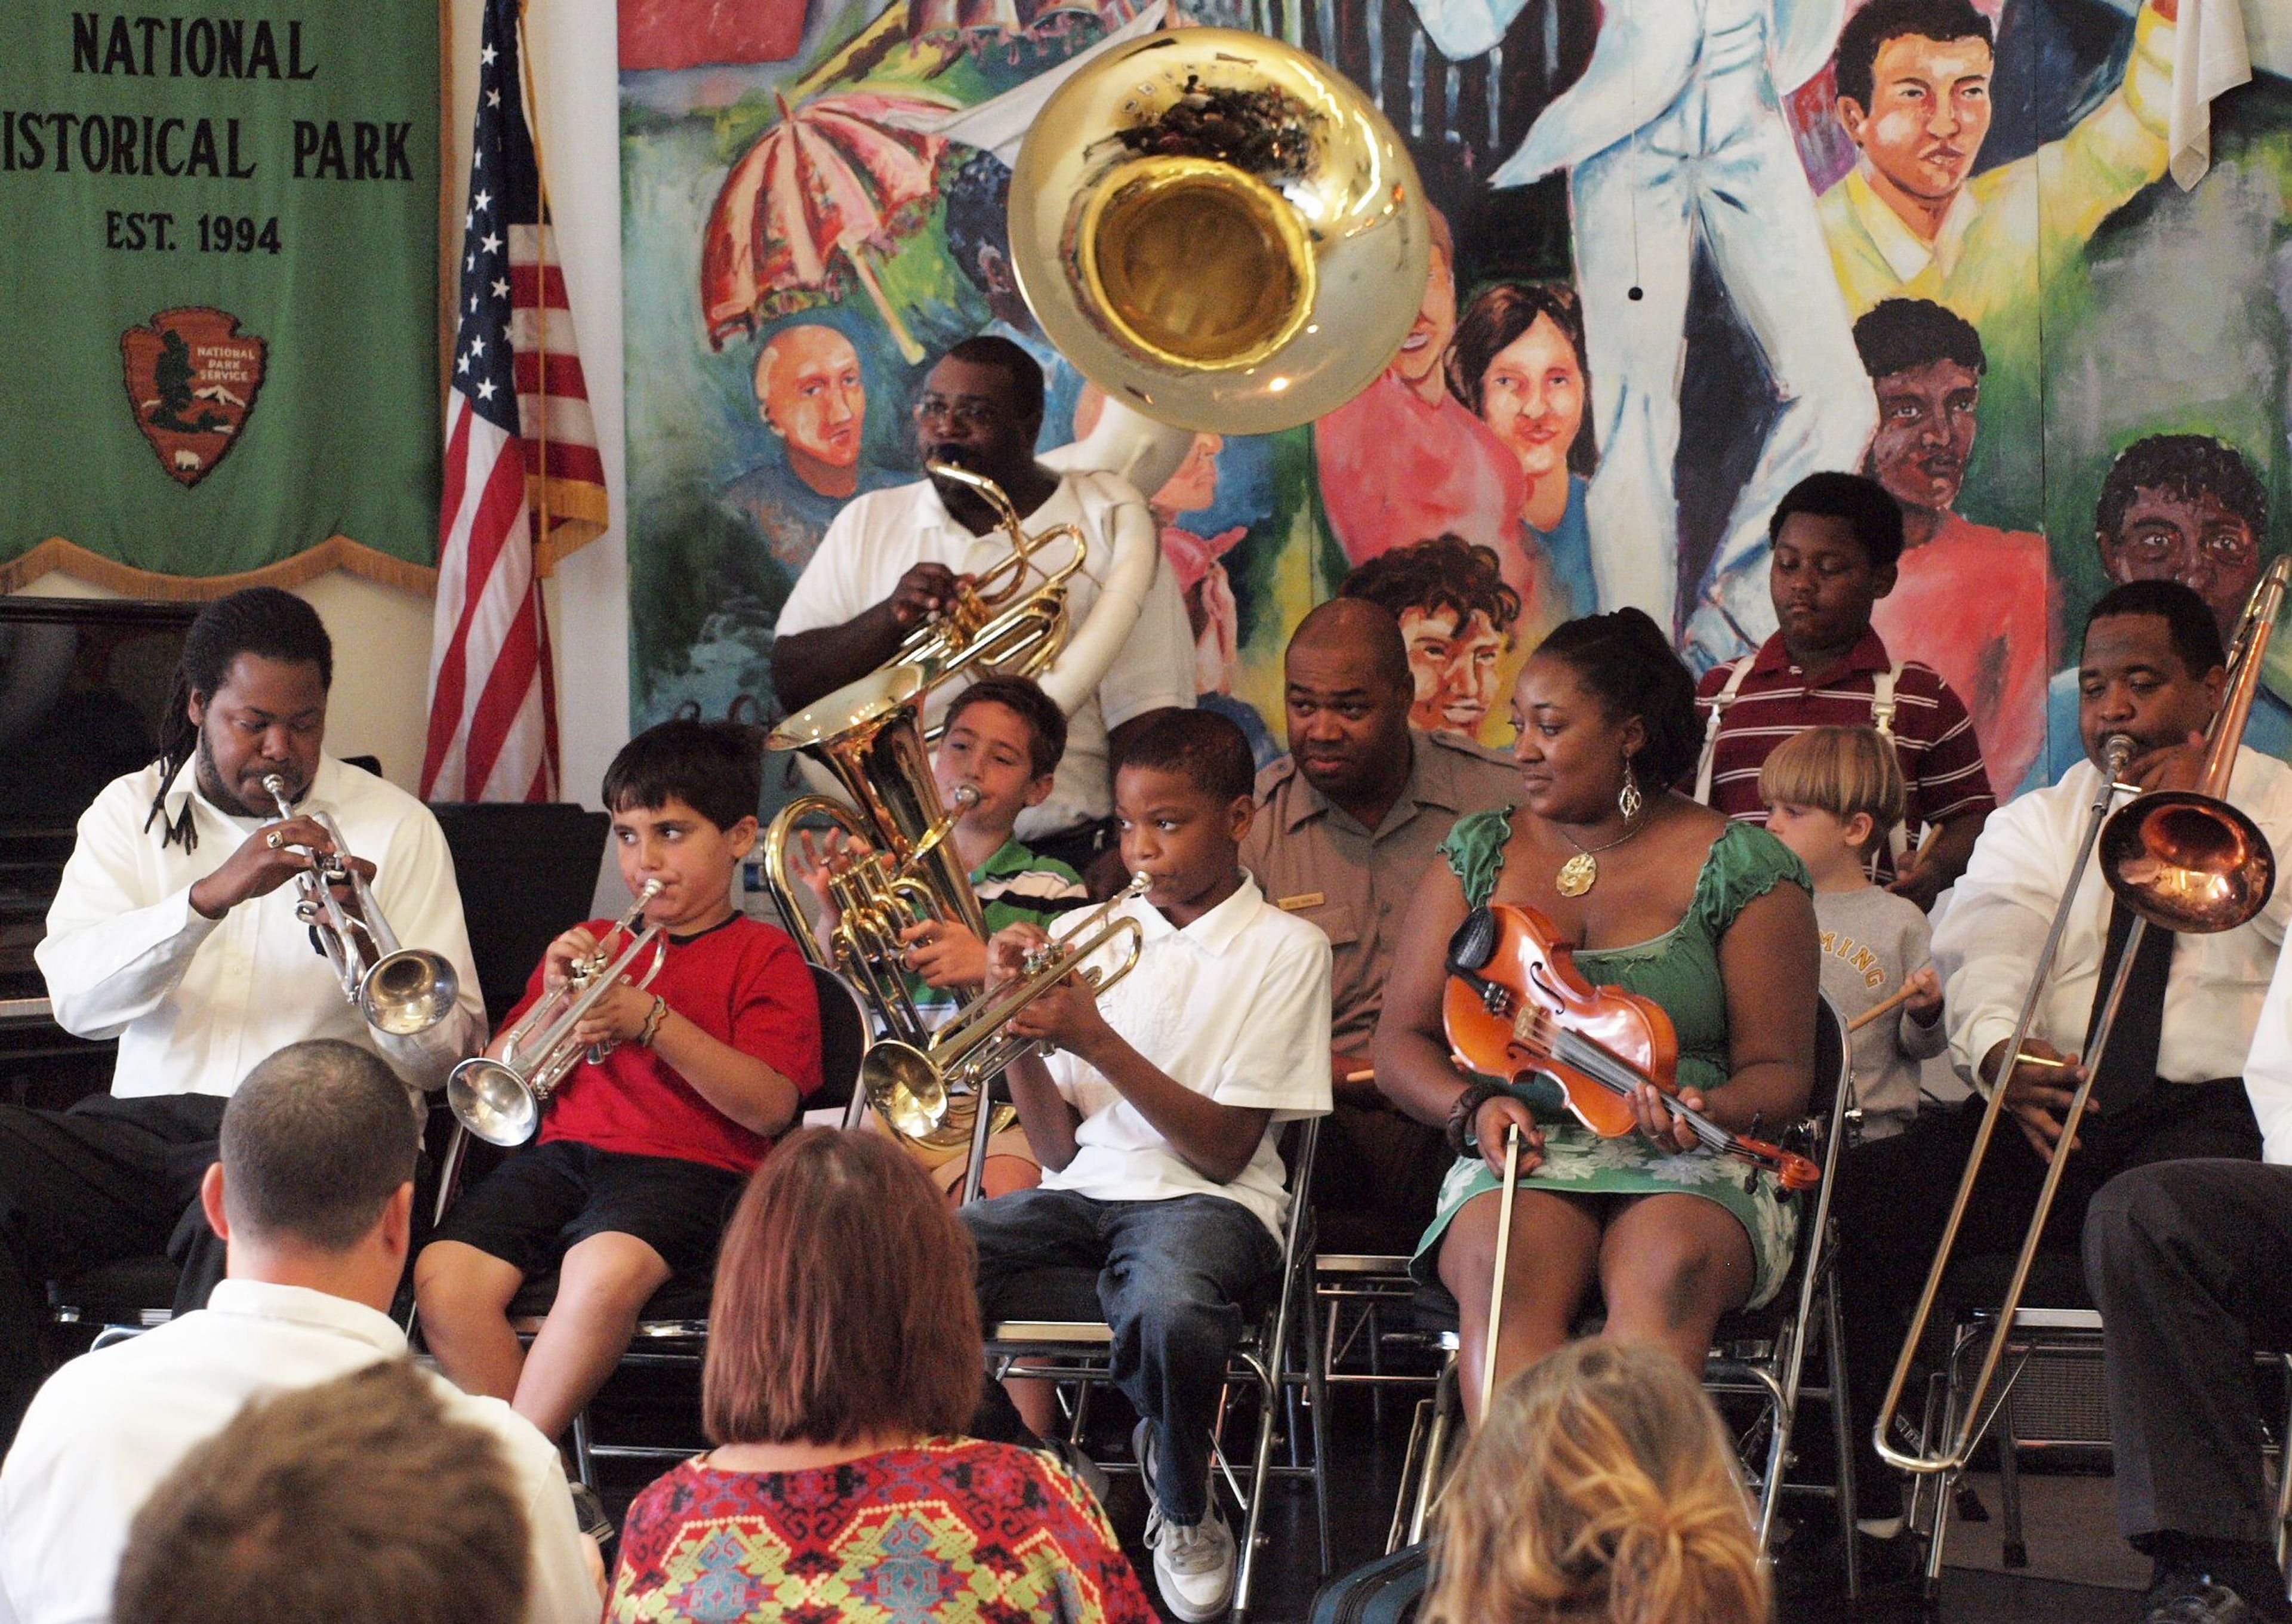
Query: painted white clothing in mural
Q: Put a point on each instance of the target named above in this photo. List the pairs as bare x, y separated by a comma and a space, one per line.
1674, 134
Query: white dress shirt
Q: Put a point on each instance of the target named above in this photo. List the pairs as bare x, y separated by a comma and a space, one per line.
196, 1002
878, 537
107, 1427
1235, 1006
1987, 943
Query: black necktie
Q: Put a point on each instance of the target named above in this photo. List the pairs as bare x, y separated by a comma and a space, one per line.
2129, 1070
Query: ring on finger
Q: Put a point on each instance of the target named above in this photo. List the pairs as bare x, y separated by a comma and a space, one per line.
274, 840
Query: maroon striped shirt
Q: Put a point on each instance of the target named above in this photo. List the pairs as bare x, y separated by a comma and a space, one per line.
1934, 737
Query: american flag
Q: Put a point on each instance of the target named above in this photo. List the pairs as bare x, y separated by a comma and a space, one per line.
524, 484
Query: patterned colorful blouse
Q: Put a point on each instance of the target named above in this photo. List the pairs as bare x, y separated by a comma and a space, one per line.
951, 1529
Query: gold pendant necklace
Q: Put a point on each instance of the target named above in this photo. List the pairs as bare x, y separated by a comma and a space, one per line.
1581, 872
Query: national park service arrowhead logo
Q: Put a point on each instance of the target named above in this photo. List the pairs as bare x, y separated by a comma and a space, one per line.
191, 380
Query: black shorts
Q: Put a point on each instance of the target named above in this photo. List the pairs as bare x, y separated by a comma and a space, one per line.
546, 1198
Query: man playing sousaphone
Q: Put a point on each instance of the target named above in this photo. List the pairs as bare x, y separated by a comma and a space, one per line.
2172, 1086
893, 558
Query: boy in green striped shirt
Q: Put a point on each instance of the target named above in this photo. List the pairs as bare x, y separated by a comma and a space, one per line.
1004, 738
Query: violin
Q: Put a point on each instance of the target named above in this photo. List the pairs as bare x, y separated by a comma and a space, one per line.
1516, 1004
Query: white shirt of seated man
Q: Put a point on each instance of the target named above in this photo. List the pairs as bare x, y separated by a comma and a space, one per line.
2131, 681
190, 953
892, 558
108, 1427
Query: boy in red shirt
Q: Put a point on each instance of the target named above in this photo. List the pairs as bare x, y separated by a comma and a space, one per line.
639, 1156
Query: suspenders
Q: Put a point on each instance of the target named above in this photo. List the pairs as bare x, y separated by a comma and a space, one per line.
1882, 718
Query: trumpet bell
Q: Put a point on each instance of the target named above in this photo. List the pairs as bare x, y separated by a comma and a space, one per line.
408, 992
903, 1084
1219, 229
2187, 862
492, 1101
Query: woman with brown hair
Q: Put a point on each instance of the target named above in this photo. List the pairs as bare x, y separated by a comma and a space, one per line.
1601, 1488
843, 1358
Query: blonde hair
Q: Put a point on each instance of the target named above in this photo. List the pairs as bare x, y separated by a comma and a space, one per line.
1840, 771
1601, 1486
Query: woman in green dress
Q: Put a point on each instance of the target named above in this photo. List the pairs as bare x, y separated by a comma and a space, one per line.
1712, 920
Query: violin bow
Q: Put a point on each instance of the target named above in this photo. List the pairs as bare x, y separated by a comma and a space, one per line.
1504, 1261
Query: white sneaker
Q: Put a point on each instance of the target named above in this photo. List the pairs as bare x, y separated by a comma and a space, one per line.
1194, 1567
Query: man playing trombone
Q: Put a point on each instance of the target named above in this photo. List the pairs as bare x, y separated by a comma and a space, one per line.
175, 929
894, 559
2152, 671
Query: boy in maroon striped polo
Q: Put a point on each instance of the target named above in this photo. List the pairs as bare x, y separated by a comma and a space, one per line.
1836, 539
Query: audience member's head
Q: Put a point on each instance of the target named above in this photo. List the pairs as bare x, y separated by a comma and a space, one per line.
1601, 1486
357, 1501
317, 1165
843, 1310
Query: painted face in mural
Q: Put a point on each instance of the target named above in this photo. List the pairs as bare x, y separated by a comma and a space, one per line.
1823, 587
1929, 111
1532, 395
809, 392
1455, 668
2132, 680
1925, 432
1194, 486
2194, 540
1570, 751
1418, 364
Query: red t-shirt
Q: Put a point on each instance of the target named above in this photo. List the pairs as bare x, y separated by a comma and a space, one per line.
745, 984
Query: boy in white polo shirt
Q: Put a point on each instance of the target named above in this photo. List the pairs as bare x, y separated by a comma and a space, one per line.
1156, 1120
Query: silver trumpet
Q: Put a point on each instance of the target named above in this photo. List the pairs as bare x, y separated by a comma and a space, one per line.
915, 1088
407, 995
502, 1100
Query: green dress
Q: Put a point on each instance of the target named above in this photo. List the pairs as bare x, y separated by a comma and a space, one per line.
1679, 970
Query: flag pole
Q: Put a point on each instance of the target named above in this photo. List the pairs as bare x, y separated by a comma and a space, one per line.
543, 553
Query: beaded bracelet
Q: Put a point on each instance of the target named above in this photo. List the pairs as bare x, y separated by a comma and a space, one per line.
1462, 1114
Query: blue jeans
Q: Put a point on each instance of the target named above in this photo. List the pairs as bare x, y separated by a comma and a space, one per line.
1173, 1276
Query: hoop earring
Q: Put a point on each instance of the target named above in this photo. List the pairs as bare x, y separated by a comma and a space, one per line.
1628, 799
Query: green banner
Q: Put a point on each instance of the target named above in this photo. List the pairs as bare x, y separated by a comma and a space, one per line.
219, 333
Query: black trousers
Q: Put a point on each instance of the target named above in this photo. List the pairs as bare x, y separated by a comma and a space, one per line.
109, 1179
1893, 1200
2190, 1263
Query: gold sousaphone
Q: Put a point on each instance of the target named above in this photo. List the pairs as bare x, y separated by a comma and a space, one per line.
1219, 229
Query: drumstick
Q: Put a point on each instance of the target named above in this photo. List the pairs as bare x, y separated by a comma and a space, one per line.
1503, 1257
1367, 1075
1900, 996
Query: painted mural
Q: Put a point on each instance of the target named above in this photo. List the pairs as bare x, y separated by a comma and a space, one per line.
1684, 254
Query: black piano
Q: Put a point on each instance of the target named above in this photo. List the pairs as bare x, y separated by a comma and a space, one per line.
84, 683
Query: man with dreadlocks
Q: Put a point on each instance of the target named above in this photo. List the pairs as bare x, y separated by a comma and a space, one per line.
173, 930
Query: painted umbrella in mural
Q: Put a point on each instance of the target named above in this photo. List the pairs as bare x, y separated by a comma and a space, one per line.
813, 206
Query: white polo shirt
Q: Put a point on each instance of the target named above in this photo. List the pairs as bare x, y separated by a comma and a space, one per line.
879, 537
1235, 1006
196, 1002
107, 1427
